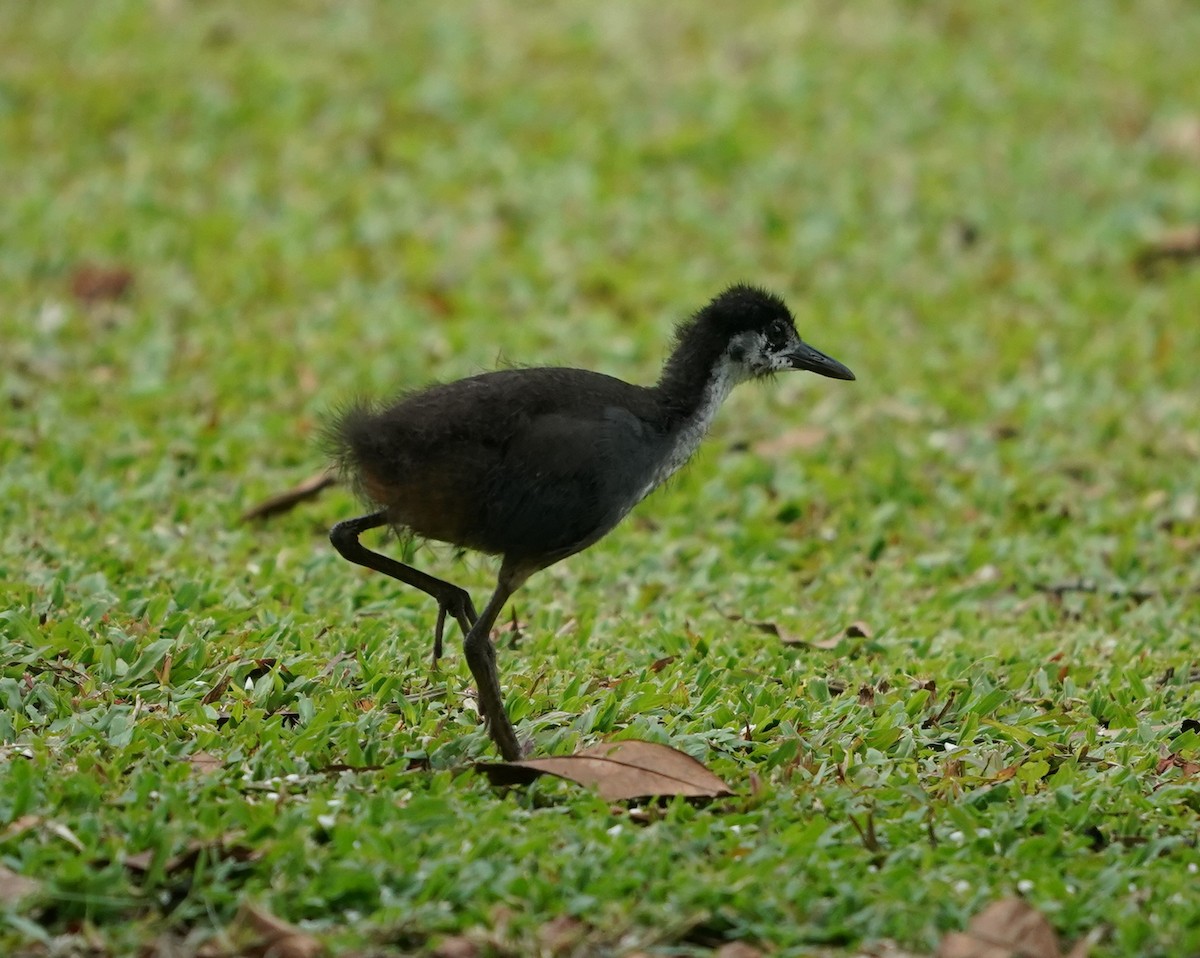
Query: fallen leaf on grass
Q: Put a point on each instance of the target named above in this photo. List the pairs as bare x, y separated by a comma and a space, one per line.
1186, 768
1180, 136
202, 763
562, 935
737, 949
775, 629
226, 848
61, 831
1175, 245
14, 887
778, 631
91, 283
618, 770
1010, 928
855, 630
262, 935
216, 691
20, 826
457, 946
284, 501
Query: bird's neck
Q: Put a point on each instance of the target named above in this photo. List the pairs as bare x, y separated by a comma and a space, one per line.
696, 379
690, 396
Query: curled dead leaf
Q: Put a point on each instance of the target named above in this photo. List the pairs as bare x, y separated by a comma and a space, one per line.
785, 636
216, 691
92, 284
1009, 928
618, 771
1181, 135
659, 664
202, 763
263, 935
738, 949
21, 825
1171, 246
456, 946
561, 935
226, 848
15, 887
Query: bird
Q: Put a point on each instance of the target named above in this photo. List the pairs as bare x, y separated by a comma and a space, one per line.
535, 464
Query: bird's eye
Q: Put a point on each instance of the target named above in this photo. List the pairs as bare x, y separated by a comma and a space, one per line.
777, 334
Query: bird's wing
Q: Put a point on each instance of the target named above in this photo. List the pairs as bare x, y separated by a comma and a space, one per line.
566, 479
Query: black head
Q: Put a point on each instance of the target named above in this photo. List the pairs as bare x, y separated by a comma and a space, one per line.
753, 331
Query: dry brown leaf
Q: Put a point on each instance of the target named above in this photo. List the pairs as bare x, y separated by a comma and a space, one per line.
738, 949
62, 832
14, 887
1173, 245
226, 848
202, 763
284, 501
659, 664
561, 935
216, 691
92, 284
458, 946
1181, 136
21, 825
618, 770
785, 636
775, 629
263, 935
855, 630
1010, 928
1187, 769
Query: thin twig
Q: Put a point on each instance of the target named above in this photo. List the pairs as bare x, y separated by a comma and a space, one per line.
282, 502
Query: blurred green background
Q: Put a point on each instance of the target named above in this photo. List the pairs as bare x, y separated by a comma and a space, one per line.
218, 220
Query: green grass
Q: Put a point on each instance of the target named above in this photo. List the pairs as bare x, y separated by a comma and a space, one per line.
337, 199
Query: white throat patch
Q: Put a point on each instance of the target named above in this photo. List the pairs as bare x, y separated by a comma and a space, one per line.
727, 373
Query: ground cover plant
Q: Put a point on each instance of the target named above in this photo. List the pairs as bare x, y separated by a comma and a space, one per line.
936, 629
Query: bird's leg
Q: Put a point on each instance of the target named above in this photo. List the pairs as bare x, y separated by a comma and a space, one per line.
439, 629
450, 598
481, 659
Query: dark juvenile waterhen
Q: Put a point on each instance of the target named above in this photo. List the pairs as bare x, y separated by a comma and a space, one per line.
534, 465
